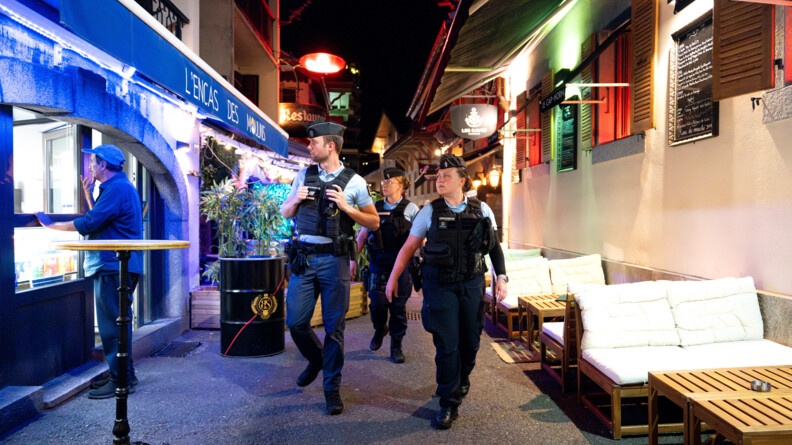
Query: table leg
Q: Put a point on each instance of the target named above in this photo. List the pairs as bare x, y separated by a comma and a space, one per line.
529, 327
519, 320
653, 415
121, 427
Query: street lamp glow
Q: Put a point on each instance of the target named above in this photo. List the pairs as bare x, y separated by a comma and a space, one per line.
322, 63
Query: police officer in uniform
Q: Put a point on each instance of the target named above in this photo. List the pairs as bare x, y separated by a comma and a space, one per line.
327, 200
396, 214
459, 231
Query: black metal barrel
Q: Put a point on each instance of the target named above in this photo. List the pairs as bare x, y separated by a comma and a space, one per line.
251, 306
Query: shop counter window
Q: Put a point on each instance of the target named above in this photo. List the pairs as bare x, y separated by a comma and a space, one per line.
36, 264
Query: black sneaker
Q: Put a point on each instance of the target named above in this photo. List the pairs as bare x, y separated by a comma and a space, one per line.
309, 375
334, 404
107, 390
445, 417
133, 381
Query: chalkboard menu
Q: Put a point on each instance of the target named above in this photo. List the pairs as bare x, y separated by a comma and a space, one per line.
567, 137
693, 114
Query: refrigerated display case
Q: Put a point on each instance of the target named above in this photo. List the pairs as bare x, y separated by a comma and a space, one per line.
36, 264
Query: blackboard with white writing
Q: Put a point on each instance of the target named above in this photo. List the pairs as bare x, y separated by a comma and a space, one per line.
693, 113
568, 135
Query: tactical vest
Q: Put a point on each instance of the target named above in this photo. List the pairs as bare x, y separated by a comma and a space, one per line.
320, 216
451, 245
384, 244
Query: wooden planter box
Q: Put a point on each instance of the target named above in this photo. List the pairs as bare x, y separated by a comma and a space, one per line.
358, 304
205, 308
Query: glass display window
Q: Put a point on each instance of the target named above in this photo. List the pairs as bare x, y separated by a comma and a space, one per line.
37, 264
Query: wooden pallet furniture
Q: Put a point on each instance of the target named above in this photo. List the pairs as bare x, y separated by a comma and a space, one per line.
680, 387
558, 345
626, 331
746, 419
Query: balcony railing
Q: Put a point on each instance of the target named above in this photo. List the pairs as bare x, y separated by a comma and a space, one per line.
260, 17
166, 13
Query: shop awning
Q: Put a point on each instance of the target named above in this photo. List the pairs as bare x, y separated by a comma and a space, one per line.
161, 57
495, 32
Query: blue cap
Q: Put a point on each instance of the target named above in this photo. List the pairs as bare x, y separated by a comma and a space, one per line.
324, 128
109, 153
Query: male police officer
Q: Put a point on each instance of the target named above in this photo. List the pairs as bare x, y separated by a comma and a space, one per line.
396, 214
323, 199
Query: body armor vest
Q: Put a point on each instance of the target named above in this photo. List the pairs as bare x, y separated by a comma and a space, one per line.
451, 244
320, 216
384, 244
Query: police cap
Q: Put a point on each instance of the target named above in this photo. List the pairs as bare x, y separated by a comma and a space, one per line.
324, 128
392, 172
451, 161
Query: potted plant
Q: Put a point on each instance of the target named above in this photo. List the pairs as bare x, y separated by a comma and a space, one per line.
251, 287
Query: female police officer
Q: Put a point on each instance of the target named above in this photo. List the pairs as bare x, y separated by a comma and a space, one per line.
459, 231
396, 215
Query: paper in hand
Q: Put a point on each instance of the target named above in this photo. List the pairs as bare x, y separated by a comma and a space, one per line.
44, 219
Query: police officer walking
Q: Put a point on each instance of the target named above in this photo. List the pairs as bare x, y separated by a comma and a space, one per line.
396, 214
459, 231
323, 199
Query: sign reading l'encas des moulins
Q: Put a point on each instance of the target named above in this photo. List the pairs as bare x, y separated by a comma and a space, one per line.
474, 121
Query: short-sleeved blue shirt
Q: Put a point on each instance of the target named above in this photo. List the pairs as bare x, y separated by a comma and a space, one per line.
423, 221
116, 215
356, 194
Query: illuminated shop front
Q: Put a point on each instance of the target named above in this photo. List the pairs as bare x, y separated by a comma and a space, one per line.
58, 94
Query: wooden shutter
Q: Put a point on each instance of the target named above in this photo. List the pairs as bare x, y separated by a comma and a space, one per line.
587, 76
547, 121
644, 29
522, 137
742, 50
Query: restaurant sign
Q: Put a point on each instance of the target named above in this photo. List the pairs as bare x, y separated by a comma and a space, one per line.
474, 121
294, 117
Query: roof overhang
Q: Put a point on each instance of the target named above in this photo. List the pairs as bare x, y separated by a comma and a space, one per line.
493, 34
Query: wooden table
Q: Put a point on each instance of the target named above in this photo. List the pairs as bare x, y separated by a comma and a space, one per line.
680, 386
759, 418
540, 308
123, 249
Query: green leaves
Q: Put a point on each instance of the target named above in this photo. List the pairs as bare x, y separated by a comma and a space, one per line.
243, 214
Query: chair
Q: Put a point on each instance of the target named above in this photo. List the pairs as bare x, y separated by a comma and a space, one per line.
528, 277
559, 339
510, 256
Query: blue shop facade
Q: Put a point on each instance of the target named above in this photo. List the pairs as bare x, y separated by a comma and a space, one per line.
76, 74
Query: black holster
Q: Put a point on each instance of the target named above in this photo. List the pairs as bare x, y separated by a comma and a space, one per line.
414, 268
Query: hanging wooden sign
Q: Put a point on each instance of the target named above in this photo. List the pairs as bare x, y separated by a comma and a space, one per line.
474, 121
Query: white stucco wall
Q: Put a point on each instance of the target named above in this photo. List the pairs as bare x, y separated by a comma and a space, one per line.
717, 207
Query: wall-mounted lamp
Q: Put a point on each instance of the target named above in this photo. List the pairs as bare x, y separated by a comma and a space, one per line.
584, 101
494, 176
769, 2
322, 63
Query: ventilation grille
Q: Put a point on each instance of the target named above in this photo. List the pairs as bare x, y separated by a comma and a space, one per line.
177, 349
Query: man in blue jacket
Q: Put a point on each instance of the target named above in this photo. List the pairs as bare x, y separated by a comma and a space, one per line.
116, 214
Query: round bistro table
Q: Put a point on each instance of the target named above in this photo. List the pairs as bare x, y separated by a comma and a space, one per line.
123, 249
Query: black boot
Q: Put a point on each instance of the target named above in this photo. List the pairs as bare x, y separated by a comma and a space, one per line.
334, 405
376, 341
309, 375
396, 350
464, 386
445, 417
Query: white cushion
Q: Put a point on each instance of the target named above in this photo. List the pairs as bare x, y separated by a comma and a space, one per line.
529, 277
626, 315
631, 366
737, 354
583, 269
574, 288
555, 330
712, 311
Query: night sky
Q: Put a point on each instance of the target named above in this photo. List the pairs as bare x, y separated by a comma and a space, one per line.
389, 41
